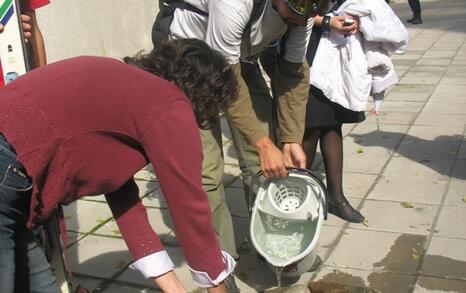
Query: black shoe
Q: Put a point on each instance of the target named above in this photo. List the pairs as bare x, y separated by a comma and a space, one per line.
230, 284
416, 20
346, 212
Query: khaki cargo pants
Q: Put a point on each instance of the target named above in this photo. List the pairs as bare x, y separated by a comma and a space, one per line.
213, 164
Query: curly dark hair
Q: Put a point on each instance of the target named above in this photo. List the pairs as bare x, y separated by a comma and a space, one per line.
201, 72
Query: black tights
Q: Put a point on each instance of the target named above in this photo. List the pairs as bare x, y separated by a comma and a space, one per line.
331, 146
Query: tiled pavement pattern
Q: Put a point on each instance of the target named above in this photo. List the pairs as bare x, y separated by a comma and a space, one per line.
405, 169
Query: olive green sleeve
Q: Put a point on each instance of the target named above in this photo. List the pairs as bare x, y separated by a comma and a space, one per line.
291, 83
241, 113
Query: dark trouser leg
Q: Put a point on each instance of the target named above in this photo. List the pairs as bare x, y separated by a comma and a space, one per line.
23, 267
416, 8
415, 5
33, 270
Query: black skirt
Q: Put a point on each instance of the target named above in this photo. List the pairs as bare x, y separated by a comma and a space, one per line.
320, 111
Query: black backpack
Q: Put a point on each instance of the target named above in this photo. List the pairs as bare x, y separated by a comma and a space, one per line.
161, 27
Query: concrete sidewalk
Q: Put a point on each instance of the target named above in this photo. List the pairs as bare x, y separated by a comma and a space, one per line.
404, 169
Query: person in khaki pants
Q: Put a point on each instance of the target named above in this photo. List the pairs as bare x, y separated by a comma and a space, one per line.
240, 31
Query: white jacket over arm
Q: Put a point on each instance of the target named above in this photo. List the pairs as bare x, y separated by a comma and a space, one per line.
349, 69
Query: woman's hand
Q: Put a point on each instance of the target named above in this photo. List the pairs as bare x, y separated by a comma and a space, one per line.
337, 24
27, 27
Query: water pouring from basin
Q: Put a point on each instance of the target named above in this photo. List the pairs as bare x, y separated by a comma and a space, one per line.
286, 220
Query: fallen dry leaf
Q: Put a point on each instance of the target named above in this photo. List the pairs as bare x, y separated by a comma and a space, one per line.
366, 223
117, 232
407, 205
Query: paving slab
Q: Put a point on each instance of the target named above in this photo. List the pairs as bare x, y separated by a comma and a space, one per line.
439, 133
401, 106
384, 282
440, 119
376, 250
390, 118
229, 153
382, 131
367, 164
99, 256
159, 219
420, 148
84, 216
421, 78
456, 195
438, 54
434, 62
459, 61
429, 68
449, 94
397, 217
147, 173
232, 169
155, 199
445, 258
226, 133
450, 222
409, 189
73, 237
459, 171
453, 80
409, 55
411, 92
439, 285
146, 186
462, 151
434, 169
357, 185
446, 108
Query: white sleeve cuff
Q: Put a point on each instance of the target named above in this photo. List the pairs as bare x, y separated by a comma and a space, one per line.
154, 265
203, 280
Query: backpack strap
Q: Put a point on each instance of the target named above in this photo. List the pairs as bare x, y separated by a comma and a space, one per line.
180, 4
256, 12
161, 26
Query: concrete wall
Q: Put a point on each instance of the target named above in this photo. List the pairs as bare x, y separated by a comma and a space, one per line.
113, 28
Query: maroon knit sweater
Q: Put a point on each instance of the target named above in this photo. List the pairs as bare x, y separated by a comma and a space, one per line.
86, 125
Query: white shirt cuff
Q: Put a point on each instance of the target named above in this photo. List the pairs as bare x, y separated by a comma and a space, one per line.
203, 280
154, 265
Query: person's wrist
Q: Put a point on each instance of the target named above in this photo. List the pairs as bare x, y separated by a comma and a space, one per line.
263, 144
326, 23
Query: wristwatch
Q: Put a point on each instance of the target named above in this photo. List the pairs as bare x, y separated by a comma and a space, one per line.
326, 23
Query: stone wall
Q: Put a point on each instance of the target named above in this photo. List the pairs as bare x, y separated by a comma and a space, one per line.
113, 28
